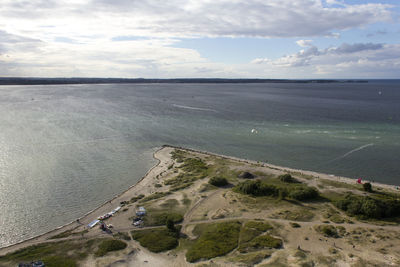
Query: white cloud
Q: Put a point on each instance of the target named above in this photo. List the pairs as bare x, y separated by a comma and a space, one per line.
127, 38
304, 43
361, 60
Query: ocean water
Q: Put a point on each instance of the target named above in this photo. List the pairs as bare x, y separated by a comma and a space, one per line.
66, 149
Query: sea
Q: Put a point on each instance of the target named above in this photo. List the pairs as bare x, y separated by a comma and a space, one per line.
66, 149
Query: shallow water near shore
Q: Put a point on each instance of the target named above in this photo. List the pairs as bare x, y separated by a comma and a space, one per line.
66, 149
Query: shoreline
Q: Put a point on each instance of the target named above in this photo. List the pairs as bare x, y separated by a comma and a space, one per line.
73, 224
148, 179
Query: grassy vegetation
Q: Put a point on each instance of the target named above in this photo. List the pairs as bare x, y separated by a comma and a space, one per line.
156, 195
69, 233
297, 214
109, 245
367, 207
156, 240
275, 188
215, 240
218, 181
157, 217
134, 199
295, 225
170, 204
258, 225
251, 259
54, 254
329, 230
122, 235
287, 178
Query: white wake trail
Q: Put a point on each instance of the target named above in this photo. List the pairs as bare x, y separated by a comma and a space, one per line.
351, 152
193, 108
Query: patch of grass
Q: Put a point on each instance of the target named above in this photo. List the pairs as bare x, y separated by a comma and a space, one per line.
186, 201
122, 235
258, 225
251, 259
108, 246
156, 217
261, 242
207, 187
156, 195
69, 233
295, 225
156, 240
180, 187
216, 240
298, 214
54, 254
134, 199
327, 230
218, 181
169, 204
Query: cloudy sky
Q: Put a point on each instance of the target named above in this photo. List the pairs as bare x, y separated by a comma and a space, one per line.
200, 38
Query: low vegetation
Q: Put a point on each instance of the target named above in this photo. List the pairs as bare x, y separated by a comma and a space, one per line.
216, 240
367, 207
218, 181
108, 246
294, 191
54, 254
287, 178
157, 240
156, 217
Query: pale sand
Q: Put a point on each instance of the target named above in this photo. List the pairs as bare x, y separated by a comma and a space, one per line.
146, 186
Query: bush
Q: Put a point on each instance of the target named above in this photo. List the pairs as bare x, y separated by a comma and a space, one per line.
368, 207
304, 193
157, 240
327, 230
287, 178
257, 188
367, 187
156, 218
217, 240
218, 181
110, 245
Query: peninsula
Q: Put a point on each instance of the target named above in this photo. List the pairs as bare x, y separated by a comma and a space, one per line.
201, 209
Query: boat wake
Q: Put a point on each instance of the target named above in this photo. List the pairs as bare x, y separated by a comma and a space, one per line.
351, 152
194, 108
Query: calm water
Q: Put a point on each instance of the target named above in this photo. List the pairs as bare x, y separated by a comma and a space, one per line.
66, 149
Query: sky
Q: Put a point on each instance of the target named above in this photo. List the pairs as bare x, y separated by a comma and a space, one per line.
290, 39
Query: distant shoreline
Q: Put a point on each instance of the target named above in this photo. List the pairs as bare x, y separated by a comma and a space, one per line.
44, 81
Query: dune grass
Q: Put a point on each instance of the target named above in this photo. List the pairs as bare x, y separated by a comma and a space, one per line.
215, 240
157, 240
109, 245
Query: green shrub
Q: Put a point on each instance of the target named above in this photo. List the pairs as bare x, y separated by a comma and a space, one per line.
256, 188
327, 230
157, 240
260, 226
160, 218
216, 240
304, 193
108, 246
367, 187
287, 178
134, 199
367, 207
295, 225
266, 241
218, 181
122, 235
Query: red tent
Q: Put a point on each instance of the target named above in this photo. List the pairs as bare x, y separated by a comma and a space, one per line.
359, 181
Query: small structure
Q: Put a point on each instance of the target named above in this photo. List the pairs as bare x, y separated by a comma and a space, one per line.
93, 223
141, 211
